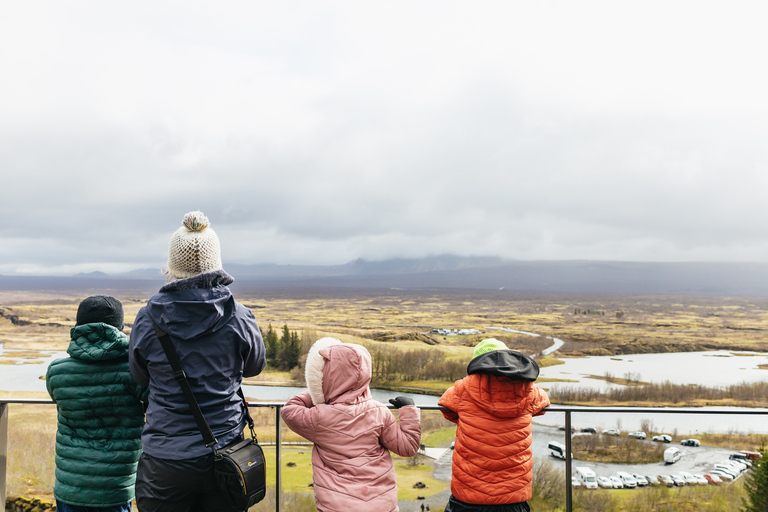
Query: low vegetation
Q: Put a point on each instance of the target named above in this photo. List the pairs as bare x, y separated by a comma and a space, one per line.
665, 394
396, 326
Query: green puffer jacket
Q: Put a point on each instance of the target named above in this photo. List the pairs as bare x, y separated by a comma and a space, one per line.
100, 418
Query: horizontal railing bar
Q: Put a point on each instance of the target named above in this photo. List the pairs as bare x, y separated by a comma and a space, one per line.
552, 408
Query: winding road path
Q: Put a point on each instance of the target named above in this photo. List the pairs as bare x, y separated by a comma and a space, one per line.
557, 343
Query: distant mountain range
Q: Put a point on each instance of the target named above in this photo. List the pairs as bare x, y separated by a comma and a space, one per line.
455, 272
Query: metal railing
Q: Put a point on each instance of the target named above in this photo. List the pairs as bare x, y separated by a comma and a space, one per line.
567, 410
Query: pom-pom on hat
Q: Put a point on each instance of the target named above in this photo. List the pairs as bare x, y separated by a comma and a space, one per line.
100, 309
194, 248
488, 345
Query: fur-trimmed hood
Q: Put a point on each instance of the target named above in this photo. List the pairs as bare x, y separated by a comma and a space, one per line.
337, 372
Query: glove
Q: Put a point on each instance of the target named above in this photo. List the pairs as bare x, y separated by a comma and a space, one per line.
401, 401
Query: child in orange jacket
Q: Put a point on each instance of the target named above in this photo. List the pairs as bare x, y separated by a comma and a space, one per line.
493, 407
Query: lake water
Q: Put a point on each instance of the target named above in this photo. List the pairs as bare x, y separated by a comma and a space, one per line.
716, 368
709, 368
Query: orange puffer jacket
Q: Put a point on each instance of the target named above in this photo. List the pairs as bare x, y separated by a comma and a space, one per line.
493, 408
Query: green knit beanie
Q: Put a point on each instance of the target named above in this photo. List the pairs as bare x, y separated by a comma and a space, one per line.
488, 345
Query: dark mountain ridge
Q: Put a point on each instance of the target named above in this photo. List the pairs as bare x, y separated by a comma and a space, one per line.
455, 272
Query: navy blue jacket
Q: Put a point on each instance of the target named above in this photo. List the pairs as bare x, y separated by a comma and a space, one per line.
218, 343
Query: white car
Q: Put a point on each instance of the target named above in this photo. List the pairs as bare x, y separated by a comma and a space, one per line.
662, 438
641, 480
652, 480
575, 482
627, 480
667, 480
616, 481
726, 477
700, 479
604, 482
611, 432
722, 468
637, 435
679, 480
689, 478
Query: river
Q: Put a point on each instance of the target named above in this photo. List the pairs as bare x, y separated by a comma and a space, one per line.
710, 368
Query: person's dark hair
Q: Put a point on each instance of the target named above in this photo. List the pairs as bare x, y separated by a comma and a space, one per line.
100, 308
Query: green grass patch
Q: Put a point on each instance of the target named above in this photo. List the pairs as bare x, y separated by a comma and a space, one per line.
440, 437
408, 475
297, 478
618, 380
549, 360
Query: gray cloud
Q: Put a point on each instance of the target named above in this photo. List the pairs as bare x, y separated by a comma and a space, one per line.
322, 133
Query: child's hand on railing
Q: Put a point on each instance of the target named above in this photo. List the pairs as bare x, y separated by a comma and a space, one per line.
401, 401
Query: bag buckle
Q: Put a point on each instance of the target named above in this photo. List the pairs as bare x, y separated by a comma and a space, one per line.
179, 375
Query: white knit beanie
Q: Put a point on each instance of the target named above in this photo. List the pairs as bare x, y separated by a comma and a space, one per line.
194, 248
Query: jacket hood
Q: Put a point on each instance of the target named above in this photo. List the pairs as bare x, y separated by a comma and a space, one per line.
505, 363
97, 342
346, 373
188, 308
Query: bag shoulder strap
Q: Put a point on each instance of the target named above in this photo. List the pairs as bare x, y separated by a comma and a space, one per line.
181, 378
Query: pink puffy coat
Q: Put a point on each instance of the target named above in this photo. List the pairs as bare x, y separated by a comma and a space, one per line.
352, 467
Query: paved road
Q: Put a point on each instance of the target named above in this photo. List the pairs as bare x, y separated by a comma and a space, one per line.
556, 343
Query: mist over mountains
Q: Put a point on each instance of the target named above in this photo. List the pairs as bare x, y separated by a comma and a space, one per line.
454, 272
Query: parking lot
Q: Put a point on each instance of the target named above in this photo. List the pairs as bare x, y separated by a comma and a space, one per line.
694, 459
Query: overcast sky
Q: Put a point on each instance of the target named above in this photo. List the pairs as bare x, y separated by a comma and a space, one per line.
321, 132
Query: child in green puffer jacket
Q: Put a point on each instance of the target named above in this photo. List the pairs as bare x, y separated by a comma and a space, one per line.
100, 413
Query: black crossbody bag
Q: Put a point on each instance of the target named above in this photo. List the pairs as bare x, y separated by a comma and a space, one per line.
239, 469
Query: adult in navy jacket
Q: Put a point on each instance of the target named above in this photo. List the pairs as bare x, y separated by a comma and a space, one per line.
218, 343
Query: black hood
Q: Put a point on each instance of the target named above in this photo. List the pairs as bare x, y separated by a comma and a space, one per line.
505, 363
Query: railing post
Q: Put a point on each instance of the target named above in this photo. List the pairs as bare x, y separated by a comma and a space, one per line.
568, 469
278, 465
3, 450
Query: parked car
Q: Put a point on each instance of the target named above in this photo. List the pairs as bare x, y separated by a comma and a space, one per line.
557, 450
616, 481
690, 442
672, 455
742, 458
713, 479
689, 478
652, 480
627, 480
641, 480
679, 480
662, 438
575, 482
667, 480
751, 455
589, 430
738, 465
587, 477
728, 470
604, 482
700, 479
724, 476
611, 432
637, 435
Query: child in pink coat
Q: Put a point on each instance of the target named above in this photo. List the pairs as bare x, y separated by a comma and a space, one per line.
352, 433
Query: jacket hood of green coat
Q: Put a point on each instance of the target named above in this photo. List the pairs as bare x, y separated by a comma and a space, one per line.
97, 342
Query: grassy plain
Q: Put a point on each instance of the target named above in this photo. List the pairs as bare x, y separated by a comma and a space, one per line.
588, 324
